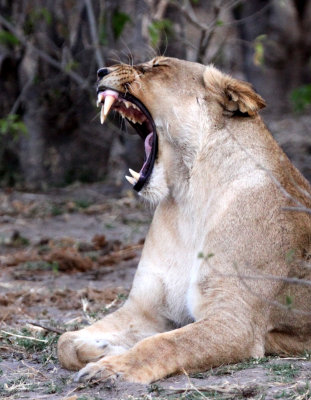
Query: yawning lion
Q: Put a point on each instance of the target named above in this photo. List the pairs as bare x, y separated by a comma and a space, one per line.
226, 267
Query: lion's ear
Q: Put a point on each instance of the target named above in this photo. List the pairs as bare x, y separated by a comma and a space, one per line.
234, 95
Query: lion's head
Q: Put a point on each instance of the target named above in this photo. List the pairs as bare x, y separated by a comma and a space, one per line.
174, 106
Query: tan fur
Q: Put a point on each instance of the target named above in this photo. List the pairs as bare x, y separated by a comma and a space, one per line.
209, 288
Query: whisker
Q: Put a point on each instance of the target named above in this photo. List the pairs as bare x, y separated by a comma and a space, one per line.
166, 45
97, 115
118, 59
129, 54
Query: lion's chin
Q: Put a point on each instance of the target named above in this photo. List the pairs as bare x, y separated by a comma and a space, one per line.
137, 114
156, 189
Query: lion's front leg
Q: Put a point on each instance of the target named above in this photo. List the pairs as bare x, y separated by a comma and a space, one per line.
195, 347
114, 334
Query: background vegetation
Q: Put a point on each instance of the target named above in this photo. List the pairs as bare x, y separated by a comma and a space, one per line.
50, 51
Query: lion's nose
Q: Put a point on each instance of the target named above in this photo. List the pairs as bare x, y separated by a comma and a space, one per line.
102, 72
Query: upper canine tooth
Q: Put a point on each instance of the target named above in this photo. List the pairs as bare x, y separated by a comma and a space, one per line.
131, 180
102, 116
109, 100
134, 174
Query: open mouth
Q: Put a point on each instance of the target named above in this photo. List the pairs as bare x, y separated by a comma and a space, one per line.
140, 118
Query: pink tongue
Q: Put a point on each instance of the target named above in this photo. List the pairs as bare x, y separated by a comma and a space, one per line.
103, 95
147, 144
148, 148
111, 93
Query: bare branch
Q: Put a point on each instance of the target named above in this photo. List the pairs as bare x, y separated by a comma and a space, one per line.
208, 35
189, 14
207, 30
20, 96
268, 277
299, 209
46, 57
250, 17
244, 278
162, 6
94, 33
301, 190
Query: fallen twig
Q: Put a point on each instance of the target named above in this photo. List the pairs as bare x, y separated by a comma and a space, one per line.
48, 328
24, 337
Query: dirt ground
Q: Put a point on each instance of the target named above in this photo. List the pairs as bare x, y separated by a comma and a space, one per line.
68, 257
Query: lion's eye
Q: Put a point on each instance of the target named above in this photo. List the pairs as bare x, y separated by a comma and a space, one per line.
160, 65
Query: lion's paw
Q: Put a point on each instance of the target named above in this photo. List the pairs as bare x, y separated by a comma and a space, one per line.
76, 350
112, 368
93, 371
93, 349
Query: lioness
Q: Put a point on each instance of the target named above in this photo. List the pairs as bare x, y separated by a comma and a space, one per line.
218, 280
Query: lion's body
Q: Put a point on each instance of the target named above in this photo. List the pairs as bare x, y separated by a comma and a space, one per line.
210, 285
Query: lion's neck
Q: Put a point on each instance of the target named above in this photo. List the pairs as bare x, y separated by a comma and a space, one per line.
228, 157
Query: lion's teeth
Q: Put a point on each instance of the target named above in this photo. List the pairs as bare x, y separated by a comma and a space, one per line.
131, 180
100, 98
102, 115
109, 100
134, 174
133, 119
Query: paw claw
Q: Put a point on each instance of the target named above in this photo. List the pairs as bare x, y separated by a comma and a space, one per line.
85, 373
76, 378
93, 370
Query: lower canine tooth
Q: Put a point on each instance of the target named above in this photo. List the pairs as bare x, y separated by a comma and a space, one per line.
134, 174
131, 180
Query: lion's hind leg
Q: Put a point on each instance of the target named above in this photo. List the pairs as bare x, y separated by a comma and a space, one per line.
286, 344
